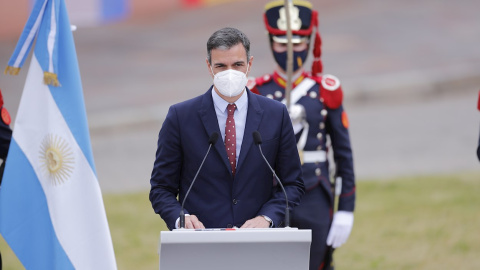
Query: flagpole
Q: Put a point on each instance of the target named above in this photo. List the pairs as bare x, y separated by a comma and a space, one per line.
288, 87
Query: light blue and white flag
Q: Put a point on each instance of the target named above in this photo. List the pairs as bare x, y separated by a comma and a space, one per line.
51, 208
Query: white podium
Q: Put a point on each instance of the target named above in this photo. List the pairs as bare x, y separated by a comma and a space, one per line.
235, 249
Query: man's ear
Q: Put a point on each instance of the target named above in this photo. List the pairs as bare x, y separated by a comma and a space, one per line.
209, 67
250, 62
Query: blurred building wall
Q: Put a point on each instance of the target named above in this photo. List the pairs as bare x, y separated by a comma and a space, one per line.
14, 13
146, 8
13, 16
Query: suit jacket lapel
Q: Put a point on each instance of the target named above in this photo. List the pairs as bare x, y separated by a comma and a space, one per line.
254, 117
210, 122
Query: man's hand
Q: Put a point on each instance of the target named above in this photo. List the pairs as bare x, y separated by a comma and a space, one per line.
192, 222
341, 227
256, 222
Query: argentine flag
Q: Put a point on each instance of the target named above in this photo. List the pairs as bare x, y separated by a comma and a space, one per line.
51, 209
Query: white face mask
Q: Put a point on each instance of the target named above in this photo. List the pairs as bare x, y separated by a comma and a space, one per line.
230, 82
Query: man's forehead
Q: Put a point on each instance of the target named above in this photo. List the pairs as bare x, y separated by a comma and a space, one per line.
235, 53
228, 61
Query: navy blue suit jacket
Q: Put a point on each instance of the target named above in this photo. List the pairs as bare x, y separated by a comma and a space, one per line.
217, 198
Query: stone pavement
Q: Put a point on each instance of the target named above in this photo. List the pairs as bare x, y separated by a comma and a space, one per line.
410, 71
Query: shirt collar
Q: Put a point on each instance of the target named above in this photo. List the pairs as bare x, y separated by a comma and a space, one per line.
222, 104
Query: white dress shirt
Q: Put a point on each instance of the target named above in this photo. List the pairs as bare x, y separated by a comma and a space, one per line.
240, 117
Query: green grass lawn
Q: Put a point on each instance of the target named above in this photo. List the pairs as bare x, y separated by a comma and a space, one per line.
410, 223
415, 223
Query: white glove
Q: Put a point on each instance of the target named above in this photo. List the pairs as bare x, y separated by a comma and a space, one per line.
341, 227
297, 115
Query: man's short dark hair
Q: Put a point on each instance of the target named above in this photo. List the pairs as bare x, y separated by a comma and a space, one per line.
226, 38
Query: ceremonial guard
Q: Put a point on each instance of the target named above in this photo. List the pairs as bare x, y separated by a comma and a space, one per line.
5, 137
320, 125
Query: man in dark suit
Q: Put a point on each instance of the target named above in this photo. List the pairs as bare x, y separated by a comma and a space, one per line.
235, 187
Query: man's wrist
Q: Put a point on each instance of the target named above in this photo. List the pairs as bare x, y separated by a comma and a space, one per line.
269, 220
177, 222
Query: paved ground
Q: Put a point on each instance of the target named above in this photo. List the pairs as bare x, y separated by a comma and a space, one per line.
410, 71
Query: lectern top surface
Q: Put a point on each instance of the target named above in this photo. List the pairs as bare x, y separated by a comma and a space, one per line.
235, 235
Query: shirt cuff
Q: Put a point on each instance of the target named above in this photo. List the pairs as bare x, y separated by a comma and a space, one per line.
177, 222
269, 220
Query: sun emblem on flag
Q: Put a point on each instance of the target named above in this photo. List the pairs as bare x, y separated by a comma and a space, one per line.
57, 158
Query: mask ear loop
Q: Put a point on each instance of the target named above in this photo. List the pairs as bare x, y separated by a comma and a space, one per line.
211, 69
248, 70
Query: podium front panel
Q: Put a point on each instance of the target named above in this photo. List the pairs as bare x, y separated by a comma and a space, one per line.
238, 249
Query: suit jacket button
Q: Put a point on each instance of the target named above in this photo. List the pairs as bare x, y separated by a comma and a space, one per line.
235, 201
229, 225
